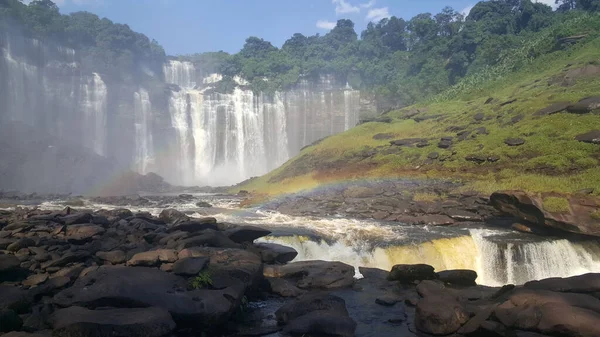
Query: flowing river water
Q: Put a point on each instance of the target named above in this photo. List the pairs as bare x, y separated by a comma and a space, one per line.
499, 256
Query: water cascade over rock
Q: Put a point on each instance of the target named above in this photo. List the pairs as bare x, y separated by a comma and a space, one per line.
496, 259
163, 118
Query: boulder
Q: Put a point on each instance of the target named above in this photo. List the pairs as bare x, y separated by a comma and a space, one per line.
172, 216
35, 279
13, 298
274, 253
77, 218
476, 158
119, 286
314, 274
195, 225
8, 263
514, 141
458, 277
439, 316
318, 323
20, 244
553, 108
284, 288
309, 303
137, 322
586, 105
530, 208
246, 233
586, 283
208, 238
479, 116
190, 266
83, 233
203, 204
538, 297
114, 257
592, 137
409, 273
9, 321
70, 257
153, 258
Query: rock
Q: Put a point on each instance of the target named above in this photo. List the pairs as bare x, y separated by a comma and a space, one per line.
388, 299
592, 137
20, 244
433, 155
246, 233
119, 286
172, 216
9, 321
49, 287
586, 283
586, 191
284, 288
13, 298
479, 116
309, 303
360, 192
577, 219
314, 274
114, 257
435, 220
458, 277
404, 142
138, 322
514, 141
538, 297
209, 238
586, 105
153, 258
190, 266
475, 158
439, 316
408, 273
35, 279
319, 323
517, 119
493, 159
381, 136
203, 204
83, 233
274, 253
508, 102
195, 225
77, 218
8, 263
445, 143
462, 215
554, 108
70, 257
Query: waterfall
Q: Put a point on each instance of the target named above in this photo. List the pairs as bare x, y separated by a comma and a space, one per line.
181, 73
93, 104
496, 260
144, 151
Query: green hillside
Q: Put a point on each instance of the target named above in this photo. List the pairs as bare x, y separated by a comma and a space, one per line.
480, 113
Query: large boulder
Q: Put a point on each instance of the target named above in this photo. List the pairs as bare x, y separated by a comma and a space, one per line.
195, 225
592, 137
190, 266
243, 234
314, 274
13, 298
586, 105
274, 253
439, 316
114, 257
119, 286
586, 283
579, 217
138, 322
153, 258
409, 273
172, 216
458, 277
83, 233
208, 238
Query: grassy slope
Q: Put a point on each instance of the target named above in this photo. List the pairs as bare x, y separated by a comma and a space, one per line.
550, 160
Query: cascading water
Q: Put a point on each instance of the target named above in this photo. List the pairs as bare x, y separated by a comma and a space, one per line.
144, 154
93, 104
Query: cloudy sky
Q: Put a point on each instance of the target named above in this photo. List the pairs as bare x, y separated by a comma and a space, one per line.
189, 26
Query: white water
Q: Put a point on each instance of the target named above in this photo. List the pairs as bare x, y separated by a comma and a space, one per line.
142, 109
93, 104
226, 138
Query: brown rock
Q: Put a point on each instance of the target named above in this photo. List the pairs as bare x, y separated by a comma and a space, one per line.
439, 316
314, 274
153, 258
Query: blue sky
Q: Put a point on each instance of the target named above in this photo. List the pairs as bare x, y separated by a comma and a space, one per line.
190, 26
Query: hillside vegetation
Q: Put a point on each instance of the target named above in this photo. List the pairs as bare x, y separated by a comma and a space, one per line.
479, 115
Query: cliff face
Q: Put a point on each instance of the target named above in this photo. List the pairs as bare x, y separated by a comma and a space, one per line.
161, 118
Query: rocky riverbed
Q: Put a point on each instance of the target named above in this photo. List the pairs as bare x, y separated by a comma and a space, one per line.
77, 272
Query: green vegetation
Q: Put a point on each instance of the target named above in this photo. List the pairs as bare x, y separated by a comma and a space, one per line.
426, 196
556, 205
107, 46
595, 215
549, 160
202, 281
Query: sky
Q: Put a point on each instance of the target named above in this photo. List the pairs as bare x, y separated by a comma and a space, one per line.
195, 26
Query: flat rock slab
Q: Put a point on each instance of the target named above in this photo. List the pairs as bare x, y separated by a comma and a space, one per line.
195, 225
138, 322
514, 141
586, 105
554, 108
592, 137
153, 258
274, 253
314, 274
190, 266
119, 286
246, 233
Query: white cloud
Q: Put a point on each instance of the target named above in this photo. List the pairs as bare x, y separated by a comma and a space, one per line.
368, 4
343, 7
465, 12
324, 24
376, 14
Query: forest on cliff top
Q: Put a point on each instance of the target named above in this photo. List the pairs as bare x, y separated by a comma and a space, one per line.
399, 61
